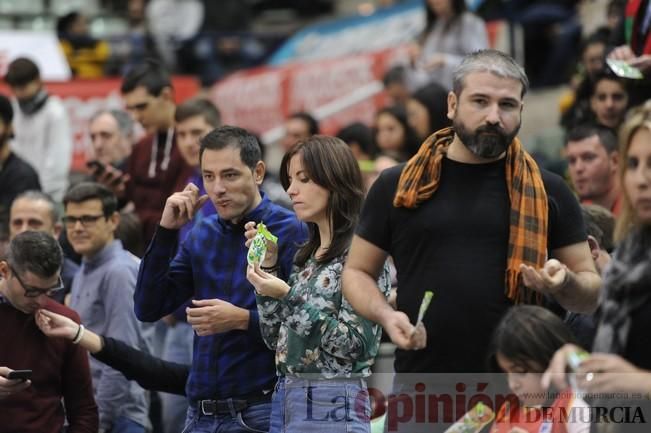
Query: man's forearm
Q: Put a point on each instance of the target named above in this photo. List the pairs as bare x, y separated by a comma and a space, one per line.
362, 292
156, 295
580, 293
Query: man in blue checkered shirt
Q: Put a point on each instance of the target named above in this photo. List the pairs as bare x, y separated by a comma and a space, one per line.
233, 373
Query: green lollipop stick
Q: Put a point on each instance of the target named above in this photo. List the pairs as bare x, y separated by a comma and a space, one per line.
424, 305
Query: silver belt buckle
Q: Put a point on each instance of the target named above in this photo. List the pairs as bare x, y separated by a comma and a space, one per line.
206, 410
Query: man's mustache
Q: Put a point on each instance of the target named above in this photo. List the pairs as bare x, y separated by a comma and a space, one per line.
493, 129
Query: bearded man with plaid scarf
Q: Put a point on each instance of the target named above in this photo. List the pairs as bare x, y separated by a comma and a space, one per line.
472, 218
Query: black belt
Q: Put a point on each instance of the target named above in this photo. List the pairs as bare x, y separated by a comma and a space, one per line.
238, 404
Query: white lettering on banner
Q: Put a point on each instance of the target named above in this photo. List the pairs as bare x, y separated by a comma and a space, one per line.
372, 36
315, 85
252, 102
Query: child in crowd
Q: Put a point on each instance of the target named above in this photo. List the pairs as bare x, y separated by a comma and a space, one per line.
523, 345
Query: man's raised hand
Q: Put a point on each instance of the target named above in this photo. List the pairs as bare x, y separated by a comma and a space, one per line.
180, 207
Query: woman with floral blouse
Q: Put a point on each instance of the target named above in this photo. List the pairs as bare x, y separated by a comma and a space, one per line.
324, 349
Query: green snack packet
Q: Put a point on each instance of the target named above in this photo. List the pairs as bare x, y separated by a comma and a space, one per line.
424, 305
624, 70
258, 247
474, 420
574, 359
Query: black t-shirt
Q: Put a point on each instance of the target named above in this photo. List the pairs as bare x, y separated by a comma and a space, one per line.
455, 244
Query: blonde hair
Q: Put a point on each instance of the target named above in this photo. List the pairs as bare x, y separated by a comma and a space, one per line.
639, 118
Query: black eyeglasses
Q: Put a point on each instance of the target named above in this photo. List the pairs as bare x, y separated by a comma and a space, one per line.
35, 292
85, 220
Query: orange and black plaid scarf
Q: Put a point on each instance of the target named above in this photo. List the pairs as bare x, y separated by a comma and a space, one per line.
528, 228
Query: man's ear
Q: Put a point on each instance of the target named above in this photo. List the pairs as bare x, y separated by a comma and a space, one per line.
56, 229
114, 219
4, 269
594, 247
452, 104
167, 94
614, 158
259, 172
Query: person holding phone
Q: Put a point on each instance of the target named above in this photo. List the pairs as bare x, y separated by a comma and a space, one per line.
10, 384
39, 375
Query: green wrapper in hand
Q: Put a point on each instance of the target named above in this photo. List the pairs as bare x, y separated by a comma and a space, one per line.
258, 247
624, 70
575, 358
474, 420
424, 305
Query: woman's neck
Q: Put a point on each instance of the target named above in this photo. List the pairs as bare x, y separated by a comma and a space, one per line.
325, 236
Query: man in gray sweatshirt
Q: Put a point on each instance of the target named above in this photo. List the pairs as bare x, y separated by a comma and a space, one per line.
102, 294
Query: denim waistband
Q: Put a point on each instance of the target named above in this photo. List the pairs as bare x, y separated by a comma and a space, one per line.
293, 381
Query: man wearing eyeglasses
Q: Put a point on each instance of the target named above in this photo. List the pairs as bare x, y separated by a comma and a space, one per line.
102, 294
60, 375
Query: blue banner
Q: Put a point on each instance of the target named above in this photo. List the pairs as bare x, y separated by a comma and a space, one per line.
385, 28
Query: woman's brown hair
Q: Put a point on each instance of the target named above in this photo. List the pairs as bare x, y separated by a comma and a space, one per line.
329, 163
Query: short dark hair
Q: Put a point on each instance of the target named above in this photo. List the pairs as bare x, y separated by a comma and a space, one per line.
129, 231
6, 110
35, 195
151, 75
35, 252
65, 22
594, 38
600, 224
198, 107
22, 71
359, 133
395, 75
609, 75
310, 121
529, 336
239, 138
329, 163
607, 136
85, 191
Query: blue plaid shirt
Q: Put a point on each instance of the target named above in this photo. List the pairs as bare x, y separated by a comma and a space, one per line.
211, 263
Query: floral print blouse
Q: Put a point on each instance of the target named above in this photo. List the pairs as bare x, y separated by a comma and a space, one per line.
314, 330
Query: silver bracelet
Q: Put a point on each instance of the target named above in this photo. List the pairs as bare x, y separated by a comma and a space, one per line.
80, 334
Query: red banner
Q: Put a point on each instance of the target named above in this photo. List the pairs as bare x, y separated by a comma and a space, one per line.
83, 98
260, 99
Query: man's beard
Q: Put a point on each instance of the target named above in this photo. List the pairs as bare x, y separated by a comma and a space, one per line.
487, 141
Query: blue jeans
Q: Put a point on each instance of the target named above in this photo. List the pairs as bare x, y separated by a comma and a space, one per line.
125, 425
320, 406
254, 418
